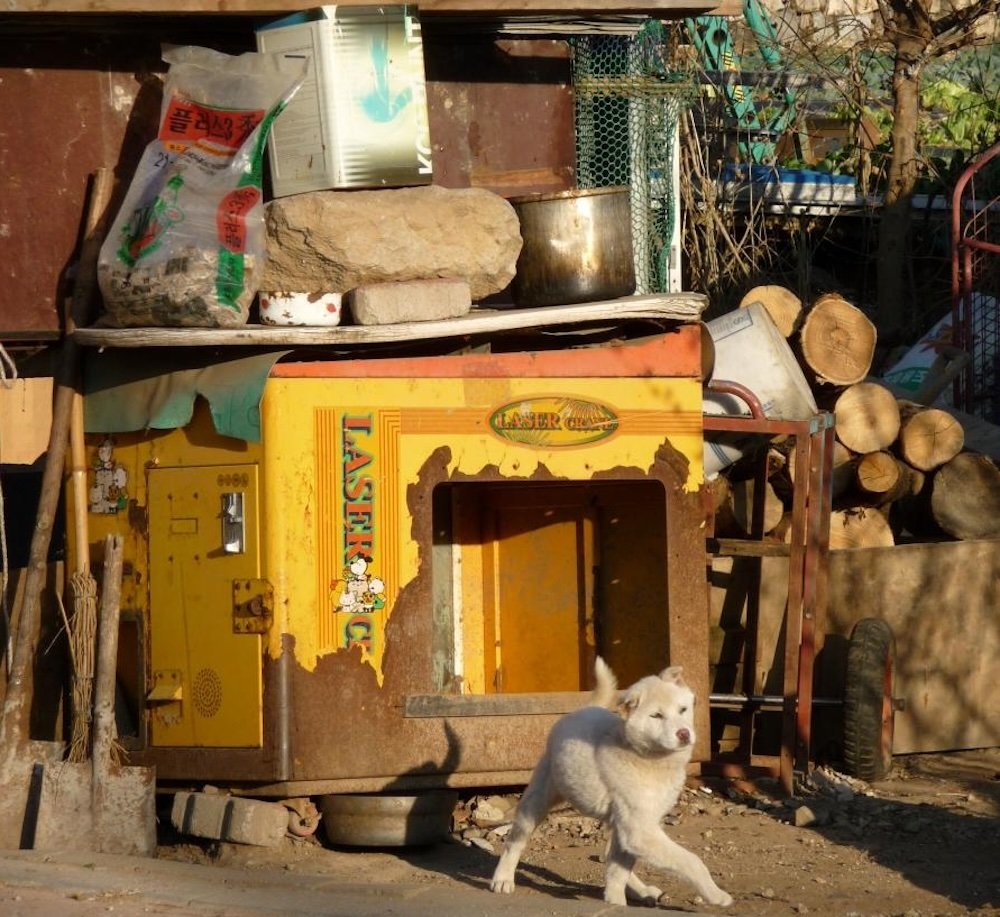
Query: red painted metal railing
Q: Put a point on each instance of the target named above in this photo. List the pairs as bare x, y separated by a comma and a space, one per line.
975, 285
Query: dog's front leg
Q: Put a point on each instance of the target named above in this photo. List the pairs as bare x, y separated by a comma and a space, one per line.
652, 845
620, 878
533, 807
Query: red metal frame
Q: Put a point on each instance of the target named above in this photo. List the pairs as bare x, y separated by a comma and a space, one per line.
807, 581
975, 290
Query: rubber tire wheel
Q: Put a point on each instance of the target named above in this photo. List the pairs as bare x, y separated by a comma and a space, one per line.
868, 701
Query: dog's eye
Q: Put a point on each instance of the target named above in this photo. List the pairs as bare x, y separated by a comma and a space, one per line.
656, 716
682, 711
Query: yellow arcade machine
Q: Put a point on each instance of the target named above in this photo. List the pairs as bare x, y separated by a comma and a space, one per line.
405, 578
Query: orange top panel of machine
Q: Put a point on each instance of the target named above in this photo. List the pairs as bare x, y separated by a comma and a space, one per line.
677, 353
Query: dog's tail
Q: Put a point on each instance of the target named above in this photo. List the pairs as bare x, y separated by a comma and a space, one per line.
606, 686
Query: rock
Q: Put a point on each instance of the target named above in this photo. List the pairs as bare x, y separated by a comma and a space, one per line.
814, 813
493, 811
804, 817
337, 240
482, 844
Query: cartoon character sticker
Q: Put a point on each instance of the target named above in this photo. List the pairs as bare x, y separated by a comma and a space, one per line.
360, 591
109, 492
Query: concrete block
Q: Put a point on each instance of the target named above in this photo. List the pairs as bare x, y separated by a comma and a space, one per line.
229, 818
409, 301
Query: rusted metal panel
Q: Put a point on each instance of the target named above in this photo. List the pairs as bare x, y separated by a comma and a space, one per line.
68, 101
501, 112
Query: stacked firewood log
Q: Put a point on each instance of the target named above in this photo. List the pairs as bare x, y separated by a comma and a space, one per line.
902, 471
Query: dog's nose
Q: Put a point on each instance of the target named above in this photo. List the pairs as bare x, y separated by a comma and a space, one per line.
684, 736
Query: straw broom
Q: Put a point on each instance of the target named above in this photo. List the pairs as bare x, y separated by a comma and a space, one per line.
82, 632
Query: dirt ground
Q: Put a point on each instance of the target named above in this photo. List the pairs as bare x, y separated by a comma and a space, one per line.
925, 841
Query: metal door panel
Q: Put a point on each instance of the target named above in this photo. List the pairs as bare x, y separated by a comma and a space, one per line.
206, 679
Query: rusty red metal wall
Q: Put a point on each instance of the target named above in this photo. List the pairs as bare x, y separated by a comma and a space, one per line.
80, 93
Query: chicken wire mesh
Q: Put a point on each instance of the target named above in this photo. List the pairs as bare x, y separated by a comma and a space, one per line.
628, 104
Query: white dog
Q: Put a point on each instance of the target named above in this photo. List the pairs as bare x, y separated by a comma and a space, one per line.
625, 767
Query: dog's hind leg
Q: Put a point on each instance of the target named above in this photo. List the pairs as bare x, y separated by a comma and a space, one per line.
535, 804
619, 877
652, 845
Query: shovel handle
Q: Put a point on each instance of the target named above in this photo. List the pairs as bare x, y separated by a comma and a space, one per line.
105, 669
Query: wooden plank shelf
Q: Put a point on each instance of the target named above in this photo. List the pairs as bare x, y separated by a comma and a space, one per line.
664, 9
668, 307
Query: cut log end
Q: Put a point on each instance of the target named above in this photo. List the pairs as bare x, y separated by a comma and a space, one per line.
965, 497
784, 307
860, 527
867, 417
837, 341
929, 437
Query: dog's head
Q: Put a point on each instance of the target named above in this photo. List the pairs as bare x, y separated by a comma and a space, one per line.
659, 713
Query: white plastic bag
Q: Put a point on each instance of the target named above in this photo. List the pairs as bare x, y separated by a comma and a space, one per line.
188, 245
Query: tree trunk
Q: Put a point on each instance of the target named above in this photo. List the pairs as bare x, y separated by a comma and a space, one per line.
893, 317
781, 304
866, 417
742, 497
859, 528
837, 341
965, 497
842, 472
928, 437
732, 502
880, 478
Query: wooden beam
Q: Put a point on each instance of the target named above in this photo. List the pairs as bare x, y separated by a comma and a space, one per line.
664, 9
676, 307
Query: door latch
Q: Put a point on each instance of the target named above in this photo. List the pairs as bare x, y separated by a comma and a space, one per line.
233, 532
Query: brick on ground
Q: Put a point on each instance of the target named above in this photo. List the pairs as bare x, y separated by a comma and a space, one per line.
229, 818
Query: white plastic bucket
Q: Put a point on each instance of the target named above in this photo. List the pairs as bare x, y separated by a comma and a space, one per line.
750, 350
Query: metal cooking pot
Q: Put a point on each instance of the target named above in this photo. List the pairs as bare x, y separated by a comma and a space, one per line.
577, 247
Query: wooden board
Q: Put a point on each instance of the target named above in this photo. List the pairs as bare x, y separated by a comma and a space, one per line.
940, 600
25, 418
684, 307
664, 9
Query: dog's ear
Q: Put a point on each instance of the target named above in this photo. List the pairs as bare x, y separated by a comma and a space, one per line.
628, 701
674, 674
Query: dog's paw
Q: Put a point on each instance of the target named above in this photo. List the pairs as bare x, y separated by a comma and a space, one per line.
722, 899
652, 896
501, 886
615, 897
646, 895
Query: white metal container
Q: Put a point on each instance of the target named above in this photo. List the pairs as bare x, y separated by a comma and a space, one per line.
360, 118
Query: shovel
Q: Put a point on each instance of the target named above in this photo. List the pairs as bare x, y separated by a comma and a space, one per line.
49, 803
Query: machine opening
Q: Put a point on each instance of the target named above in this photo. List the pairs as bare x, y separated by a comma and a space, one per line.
533, 580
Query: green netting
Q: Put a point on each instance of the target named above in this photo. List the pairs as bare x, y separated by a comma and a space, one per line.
627, 107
